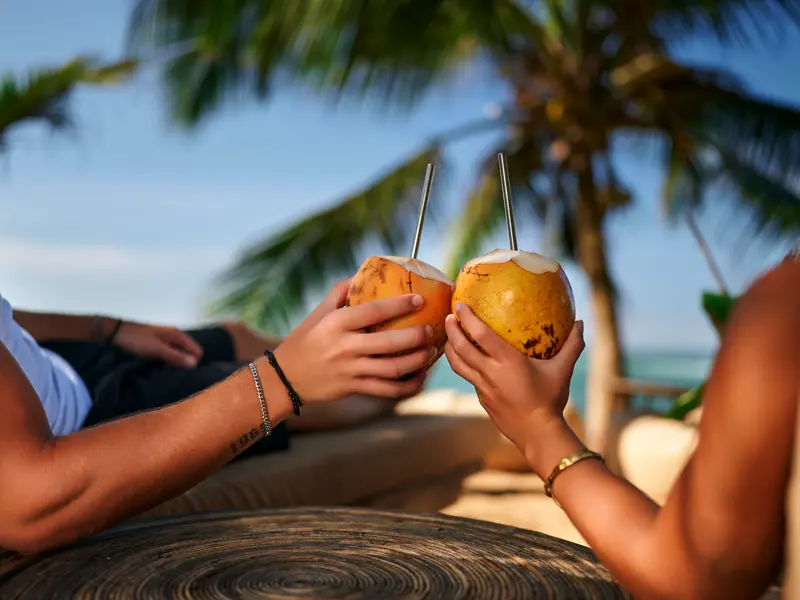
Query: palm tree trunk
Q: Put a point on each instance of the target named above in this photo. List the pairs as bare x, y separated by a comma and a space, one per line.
605, 356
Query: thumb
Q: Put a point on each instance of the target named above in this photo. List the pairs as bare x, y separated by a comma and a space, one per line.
572, 348
336, 297
332, 302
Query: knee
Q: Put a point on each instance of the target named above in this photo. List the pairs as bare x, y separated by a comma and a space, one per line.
247, 342
238, 330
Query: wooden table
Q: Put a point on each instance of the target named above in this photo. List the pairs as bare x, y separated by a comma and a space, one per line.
310, 553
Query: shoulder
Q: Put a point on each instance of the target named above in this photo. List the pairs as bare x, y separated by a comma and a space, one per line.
768, 314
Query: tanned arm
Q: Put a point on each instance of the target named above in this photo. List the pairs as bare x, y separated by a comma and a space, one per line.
57, 490
720, 533
50, 326
54, 491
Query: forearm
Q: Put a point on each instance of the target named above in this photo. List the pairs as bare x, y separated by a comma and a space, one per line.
86, 481
621, 524
49, 326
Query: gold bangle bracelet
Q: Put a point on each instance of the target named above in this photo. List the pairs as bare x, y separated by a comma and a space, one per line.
565, 464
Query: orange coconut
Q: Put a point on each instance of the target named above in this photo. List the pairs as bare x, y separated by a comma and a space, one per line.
522, 296
390, 276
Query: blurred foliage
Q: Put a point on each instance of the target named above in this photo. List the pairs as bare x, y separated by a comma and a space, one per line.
718, 308
43, 95
583, 77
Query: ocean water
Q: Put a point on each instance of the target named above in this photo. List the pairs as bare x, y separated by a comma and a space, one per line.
672, 368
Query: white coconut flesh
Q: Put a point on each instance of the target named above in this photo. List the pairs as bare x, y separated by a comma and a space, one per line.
530, 261
422, 269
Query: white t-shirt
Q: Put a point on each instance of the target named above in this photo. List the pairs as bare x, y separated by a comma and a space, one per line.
61, 390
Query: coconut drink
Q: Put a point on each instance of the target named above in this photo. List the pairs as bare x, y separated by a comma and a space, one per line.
524, 297
390, 276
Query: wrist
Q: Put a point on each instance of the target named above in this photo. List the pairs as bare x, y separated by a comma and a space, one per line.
105, 329
279, 405
548, 444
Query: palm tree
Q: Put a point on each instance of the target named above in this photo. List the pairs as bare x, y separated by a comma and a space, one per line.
43, 95
583, 77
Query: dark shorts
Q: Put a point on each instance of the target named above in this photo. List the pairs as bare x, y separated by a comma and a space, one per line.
122, 384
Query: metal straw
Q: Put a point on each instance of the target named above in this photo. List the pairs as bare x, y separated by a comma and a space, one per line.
423, 206
505, 188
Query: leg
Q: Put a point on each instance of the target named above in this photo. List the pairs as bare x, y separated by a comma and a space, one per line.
248, 344
350, 412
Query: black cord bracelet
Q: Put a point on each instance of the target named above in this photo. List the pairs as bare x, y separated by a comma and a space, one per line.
115, 331
296, 403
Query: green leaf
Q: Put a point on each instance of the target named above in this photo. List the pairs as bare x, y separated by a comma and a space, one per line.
43, 94
272, 281
718, 307
686, 403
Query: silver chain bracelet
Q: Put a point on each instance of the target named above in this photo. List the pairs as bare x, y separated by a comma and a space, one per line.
266, 426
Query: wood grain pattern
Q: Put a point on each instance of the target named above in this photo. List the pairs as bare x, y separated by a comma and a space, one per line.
310, 553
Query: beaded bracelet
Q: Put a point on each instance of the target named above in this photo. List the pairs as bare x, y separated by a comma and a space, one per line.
296, 403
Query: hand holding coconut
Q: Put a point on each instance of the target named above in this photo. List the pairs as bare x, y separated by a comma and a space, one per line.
332, 354
522, 395
515, 309
381, 277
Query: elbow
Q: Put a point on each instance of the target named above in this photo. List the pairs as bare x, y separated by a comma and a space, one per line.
29, 526
24, 538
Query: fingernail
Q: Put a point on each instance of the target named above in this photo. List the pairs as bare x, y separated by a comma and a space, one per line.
190, 361
417, 300
460, 307
433, 352
429, 331
579, 324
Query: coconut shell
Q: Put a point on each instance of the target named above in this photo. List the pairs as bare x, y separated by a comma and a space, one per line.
523, 297
390, 276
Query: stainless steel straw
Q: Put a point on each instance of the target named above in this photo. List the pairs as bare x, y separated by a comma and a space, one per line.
423, 206
505, 187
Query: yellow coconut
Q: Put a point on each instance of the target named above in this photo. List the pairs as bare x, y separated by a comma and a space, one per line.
522, 296
390, 276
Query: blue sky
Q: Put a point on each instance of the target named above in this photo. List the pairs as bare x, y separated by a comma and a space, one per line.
131, 216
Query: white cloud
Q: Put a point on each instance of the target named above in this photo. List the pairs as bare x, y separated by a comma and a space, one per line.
165, 285
81, 260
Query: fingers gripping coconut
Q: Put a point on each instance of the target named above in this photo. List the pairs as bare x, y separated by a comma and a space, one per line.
523, 297
388, 276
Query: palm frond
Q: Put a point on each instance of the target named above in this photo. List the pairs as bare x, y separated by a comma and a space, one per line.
394, 50
739, 21
484, 210
271, 282
764, 130
43, 94
683, 184
728, 21
481, 217
769, 201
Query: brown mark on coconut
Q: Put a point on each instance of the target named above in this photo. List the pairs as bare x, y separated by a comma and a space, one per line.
478, 274
381, 271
